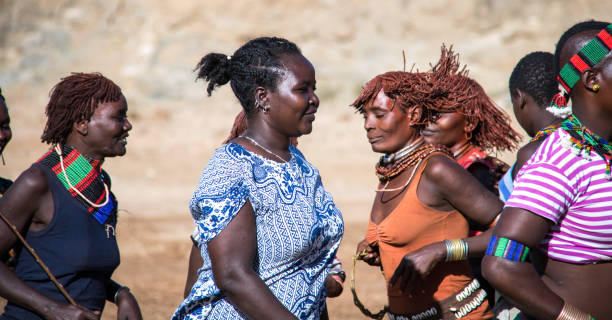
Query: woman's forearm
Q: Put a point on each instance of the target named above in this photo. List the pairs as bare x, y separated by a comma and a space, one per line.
521, 285
18, 292
251, 295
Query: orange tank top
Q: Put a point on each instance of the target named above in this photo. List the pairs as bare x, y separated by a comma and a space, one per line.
410, 226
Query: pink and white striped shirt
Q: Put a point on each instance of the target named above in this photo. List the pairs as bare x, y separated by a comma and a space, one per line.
574, 194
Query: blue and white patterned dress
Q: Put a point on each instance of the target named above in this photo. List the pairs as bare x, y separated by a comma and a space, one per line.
298, 227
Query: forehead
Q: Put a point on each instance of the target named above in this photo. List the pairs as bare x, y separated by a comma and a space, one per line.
380, 102
298, 67
112, 106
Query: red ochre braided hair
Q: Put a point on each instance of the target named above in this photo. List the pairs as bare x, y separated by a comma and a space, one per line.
75, 98
446, 88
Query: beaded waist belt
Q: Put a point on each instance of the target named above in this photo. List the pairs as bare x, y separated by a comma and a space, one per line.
456, 306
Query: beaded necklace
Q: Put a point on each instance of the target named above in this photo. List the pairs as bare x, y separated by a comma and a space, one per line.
545, 132
82, 178
386, 172
582, 141
389, 158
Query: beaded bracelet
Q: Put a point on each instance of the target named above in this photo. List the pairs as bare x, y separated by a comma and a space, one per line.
456, 249
569, 312
507, 249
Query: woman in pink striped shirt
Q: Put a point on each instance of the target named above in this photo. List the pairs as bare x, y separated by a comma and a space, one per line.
561, 205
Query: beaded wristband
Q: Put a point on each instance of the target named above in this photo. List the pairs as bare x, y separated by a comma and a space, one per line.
456, 249
569, 312
507, 249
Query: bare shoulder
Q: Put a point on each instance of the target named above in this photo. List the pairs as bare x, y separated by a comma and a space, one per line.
441, 169
524, 153
32, 181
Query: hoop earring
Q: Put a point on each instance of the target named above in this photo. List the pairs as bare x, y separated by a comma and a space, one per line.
595, 87
468, 135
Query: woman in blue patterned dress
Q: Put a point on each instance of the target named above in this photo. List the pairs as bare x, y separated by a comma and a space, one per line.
266, 228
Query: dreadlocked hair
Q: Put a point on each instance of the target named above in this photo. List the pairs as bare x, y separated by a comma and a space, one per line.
448, 88
397, 85
255, 64
75, 98
534, 75
590, 25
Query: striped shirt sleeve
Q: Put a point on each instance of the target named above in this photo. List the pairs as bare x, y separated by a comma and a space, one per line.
544, 189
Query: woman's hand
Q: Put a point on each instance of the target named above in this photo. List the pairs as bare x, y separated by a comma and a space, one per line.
417, 265
127, 306
368, 253
64, 311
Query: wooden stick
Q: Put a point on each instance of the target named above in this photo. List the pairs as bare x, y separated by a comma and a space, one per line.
37, 258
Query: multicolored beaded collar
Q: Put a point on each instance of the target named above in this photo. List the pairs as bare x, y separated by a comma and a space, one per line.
582, 141
545, 132
569, 75
83, 178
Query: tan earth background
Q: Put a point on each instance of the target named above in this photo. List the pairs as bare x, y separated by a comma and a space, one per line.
150, 48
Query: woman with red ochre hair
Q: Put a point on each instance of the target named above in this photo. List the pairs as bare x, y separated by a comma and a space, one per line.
418, 224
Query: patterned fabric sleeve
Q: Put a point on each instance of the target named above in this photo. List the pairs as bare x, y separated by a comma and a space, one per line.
221, 193
543, 189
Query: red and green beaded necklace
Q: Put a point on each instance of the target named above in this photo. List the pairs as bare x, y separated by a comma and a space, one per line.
82, 178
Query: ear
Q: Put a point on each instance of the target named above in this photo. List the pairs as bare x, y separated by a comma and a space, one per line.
521, 99
589, 78
261, 97
470, 124
415, 116
81, 127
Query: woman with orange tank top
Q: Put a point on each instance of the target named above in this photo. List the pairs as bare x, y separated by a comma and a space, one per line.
418, 225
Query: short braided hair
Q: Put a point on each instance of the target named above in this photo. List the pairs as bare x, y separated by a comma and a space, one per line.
254, 64
535, 75
75, 98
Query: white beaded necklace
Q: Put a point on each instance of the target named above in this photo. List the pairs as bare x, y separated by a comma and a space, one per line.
265, 149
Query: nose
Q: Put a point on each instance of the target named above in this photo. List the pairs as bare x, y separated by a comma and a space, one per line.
127, 125
5, 134
368, 123
314, 100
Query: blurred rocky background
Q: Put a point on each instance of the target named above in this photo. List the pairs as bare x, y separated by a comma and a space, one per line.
150, 47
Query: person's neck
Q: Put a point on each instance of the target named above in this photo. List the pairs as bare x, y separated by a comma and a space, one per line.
268, 138
544, 120
460, 148
83, 149
595, 120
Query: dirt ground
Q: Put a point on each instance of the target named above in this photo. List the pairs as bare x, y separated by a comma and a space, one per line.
150, 48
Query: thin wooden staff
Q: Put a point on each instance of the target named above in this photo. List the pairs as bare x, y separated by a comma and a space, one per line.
37, 258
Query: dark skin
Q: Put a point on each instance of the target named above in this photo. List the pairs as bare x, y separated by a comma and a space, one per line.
542, 294
532, 118
28, 204
286, 111
452, 129
444, 186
